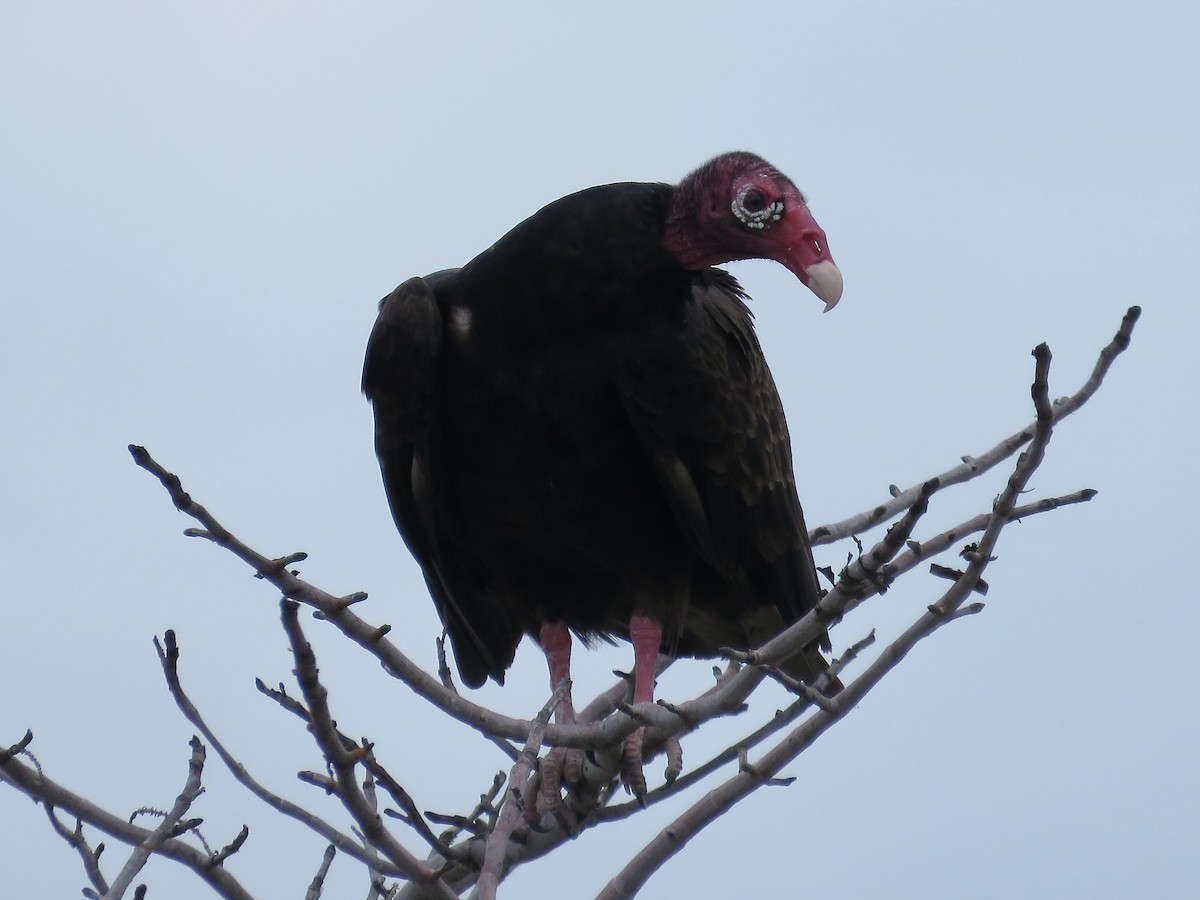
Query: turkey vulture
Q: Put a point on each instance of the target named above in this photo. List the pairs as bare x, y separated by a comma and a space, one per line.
578, 431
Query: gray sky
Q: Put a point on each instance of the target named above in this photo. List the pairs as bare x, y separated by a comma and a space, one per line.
200, 205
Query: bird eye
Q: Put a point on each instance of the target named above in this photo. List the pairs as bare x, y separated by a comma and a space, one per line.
754, 210
753, 201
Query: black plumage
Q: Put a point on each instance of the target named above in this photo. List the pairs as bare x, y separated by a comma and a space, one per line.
579, 427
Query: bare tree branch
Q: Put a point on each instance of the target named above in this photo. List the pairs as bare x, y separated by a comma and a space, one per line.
169, 827
973, 466
598, 737
372, 638
410, 815
90, 858
496, 846
470, 822
859, 580
42, 789
344, 760
485, 844
169, 658
919, 551
318, 883
778, 722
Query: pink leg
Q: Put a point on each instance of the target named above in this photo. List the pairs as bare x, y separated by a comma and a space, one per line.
562, 763
646, 635
555, 639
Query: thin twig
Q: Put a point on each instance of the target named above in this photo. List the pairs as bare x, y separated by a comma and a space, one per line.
168, 827
317, 885
470, 822
920, 551
40, 787
860, 579
973, 466
76, 840
20, 748
411, 815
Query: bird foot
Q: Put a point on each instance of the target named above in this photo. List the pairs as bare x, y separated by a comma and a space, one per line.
561, 766
632, 769
632, 774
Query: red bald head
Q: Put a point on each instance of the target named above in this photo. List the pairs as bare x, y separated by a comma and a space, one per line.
738, 206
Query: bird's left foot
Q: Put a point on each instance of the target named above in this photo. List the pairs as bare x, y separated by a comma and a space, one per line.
632, 774
561, 766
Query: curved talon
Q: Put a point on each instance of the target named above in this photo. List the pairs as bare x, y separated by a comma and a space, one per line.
674, 759
632, 775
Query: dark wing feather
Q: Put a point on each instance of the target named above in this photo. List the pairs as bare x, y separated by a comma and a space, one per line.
400, 378
706, 408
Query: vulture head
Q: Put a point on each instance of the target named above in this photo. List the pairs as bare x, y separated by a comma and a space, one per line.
738, 206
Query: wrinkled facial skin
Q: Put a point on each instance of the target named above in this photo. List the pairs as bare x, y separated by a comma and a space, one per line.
740, 207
